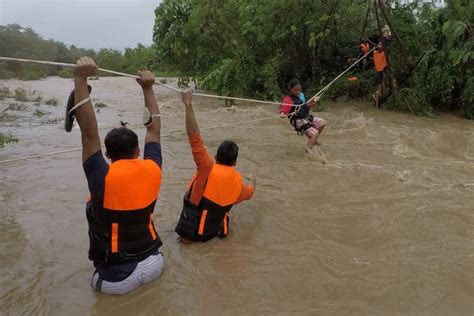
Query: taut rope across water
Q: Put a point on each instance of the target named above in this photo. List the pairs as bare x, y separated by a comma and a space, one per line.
321, 92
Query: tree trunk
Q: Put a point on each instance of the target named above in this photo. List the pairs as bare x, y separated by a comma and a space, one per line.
403, 50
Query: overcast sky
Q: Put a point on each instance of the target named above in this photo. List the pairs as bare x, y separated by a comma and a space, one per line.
85, 23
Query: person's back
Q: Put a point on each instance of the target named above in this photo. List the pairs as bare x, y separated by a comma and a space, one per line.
123, 242
215, 188
122, 209
222, 191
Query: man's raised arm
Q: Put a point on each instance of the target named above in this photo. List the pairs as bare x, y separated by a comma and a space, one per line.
191, 124
203, 161
147, 80
201, 157
85, 114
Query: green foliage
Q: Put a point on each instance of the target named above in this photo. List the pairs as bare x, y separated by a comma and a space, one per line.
65, 73
4, 72
4, 92
39, 113
20, 42
100, 105
7, 139
16, 107
244, 47
410, 100
21, 95
443, 80
360, 88
52, 102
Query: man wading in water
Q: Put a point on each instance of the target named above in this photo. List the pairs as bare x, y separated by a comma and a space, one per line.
124, 244
215, 188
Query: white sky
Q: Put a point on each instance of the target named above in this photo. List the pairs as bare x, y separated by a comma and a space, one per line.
85, 23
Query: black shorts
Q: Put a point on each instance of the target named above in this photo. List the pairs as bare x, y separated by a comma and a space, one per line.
379, 77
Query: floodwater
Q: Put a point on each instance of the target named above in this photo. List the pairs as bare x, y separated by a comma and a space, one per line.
385, 227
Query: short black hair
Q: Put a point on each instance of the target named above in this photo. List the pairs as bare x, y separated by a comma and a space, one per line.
227, 153
121, 143
293, 83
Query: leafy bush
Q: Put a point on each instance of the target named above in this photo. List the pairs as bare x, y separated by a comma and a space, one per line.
16, 107
356, 85
7, 139
5, 73
4, 92
39, 113
52, 102
411, 101
66, 73
21, 95
100, 105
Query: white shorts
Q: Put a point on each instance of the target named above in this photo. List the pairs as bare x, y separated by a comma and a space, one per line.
146, 271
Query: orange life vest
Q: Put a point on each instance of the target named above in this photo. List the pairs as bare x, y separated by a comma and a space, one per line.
364, 48
122, 229
210, 218
380, 61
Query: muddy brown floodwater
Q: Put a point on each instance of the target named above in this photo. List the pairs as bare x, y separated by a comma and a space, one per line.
386, 227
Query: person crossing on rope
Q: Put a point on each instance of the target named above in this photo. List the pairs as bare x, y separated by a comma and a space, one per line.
295, 108
214, 189
124, 244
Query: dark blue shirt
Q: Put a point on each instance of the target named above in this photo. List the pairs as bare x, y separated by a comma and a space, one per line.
96, 169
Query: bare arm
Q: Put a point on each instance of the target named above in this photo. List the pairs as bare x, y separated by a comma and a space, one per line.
313, 102
85, 114
147, 80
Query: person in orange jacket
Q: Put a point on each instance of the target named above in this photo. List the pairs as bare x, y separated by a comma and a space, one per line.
215, 188
382, 69
123, 242
380, 63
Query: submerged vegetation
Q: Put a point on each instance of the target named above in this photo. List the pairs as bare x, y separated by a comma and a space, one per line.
52, 102
255, 47
100, 105
7, 139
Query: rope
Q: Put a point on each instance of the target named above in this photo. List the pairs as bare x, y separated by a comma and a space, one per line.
141, 139
136, 77
178, 90
321, 92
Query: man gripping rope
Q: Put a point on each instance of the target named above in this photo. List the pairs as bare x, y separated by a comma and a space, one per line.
215, 188
124, 244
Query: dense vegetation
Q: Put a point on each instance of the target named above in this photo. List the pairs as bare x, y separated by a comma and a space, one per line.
19, 42
248, 47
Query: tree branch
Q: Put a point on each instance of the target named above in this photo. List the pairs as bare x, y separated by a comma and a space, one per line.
383, 8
